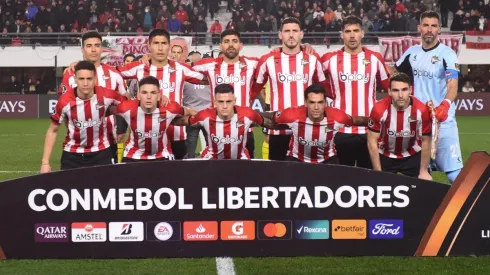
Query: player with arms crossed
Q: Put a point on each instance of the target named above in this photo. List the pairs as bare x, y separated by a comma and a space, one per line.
83, 110
148, 121
107, 77
400, 128
172, 75
353, 72
290, 71
233, 69
434, 69
226, 125
314, 126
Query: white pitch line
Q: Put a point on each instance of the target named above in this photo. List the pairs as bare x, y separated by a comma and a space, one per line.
225, 266
474, 133
16, 135
19, 171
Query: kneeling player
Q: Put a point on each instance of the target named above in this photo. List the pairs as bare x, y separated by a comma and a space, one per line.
148, 121
226, 126
401, 126
83, 111
314, 126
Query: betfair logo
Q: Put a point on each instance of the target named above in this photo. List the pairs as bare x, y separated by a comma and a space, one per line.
349, 229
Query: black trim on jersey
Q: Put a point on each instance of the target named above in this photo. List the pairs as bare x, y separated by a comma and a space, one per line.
406, 68
427, 134
444, 64
430, 49
374, 130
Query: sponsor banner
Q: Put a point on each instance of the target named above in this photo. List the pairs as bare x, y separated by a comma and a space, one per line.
18, 106
47, 105
115, 47
51, 232
215, 212
392, 48
478, 40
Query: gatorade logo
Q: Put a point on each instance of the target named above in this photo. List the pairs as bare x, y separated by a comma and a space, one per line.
230, 79
350, 77
293, 77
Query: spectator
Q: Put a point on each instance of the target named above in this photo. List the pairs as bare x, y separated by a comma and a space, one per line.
230, 25
164, 12
275, 24
14, 86
187, 5
377, 24
411, 24
265, 25
66, 17
174, 24
338, 12
216, 30
319, 23
317, 12
149, 19
400, 22
182, 15
30, 87
194, 17
162, 23
468, 87
482, 24
240, 25
457, 24
42, 17
131, 24
201, 27
213, 7
372, 12
31, 11
237, 7
186, 28
329, 16
367, 26
399, 7
251, 25
202, 9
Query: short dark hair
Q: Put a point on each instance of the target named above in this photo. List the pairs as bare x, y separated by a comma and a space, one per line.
129, 55
159, 32
315, 89
230, 32
194, 52
85, 65
90, 34
429, 14
400, 77
177, 46
150, 80
351, 20
223, 89
290, 20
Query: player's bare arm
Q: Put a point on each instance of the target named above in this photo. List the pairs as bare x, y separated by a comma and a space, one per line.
269, 121
425, 158
49, 142
372, 139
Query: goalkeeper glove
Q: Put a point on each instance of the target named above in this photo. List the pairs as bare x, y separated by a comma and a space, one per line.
442, 110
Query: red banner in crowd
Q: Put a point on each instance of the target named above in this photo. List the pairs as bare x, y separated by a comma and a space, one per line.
478, 40
393, 48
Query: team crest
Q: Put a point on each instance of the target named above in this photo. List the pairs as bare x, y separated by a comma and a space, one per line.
370, 123
278, 114
106, 77
366, 62
242, 65
412, 119
171, 70
434, 59
456, 65
304, 62
63, 88
239, 124
99, 105
162, 118
328, 129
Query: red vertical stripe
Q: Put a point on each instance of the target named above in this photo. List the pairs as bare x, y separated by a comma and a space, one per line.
227, 133
212, 131
306, 71
301, 133
341, 91
173, 82
243, 75
354, 89
280, 86
161, 129
293, 84
76, 132
315, 136
329, 134
369, 93
384, 131
148, 127
133, 117
102, 129
400, 115
413, 129
87, 108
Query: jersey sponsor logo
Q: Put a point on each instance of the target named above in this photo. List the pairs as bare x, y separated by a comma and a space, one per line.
423, 73
304, 62
150, 134
350, 77
87, 124
230, 79
404, 133
412, 119
167, 85
312, 143
226, 140
292, 77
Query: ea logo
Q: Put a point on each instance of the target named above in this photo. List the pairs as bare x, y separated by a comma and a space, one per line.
163, 231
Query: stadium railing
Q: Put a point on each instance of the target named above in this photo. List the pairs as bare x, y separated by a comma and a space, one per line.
199, 38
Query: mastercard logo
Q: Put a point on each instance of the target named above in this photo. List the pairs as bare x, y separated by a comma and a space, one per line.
275, 230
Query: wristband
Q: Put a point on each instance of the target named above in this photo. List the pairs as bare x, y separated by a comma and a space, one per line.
448, 101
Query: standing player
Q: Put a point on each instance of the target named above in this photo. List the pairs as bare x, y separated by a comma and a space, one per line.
148, 121
107, 77
83, 111
171, 75
400, 128
226, 126
289, 72
353, 72
233, 69
314, 126
434, 69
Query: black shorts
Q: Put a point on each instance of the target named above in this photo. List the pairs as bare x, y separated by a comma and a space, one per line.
129, 160
265, 130
71, 160
409, 166
278, 146
250, 144
352, 150
179, 148
114, 152
331, 160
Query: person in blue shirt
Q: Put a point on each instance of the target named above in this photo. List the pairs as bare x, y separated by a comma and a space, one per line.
433, 68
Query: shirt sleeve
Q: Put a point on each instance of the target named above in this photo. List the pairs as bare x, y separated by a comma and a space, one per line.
175, 108
284, 117
121, 85
130, 71
374, 123
319, 75
262, 73
200, 116
58, 116
451, 65
65, 84
252, 115
339, 116
192, 76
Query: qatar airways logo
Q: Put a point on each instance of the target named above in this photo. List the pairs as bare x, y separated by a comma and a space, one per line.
227, 139
350, 77
293, 77
150, 134
312, 143
230, 79
82, 125
404, 133
423, 73
167, 85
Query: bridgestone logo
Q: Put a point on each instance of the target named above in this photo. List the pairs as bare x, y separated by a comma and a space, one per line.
127, 238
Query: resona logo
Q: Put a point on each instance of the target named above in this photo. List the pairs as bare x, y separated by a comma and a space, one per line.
315, 142
150, 134
227, 139
404, 133
292, 77
230, 79
87, 124
349, 77
423, 73
167, 85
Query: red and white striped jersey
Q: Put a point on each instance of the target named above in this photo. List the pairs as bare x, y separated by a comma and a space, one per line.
312, 141
288, 76
147, 139
85, 119
107, 77
240, 75
401, 131
172, 78
226, 139
353, 79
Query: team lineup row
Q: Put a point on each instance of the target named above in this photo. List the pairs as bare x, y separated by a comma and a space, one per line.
397, 137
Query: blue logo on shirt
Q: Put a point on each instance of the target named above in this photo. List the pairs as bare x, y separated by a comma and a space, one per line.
386, 229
